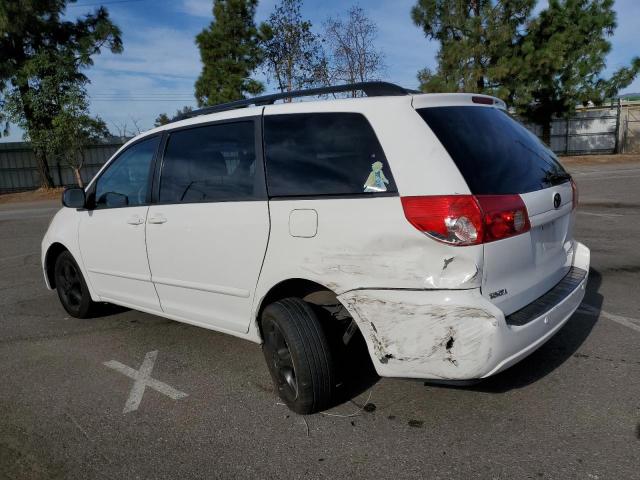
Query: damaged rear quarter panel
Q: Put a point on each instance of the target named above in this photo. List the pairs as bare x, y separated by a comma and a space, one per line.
365, 243
430, 334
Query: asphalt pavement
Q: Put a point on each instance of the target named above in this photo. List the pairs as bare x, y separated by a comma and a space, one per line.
205, 406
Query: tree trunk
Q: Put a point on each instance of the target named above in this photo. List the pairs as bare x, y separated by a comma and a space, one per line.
79, 181
46, 180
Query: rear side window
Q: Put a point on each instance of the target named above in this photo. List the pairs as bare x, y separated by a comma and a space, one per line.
211, 163
324, 154
495, 154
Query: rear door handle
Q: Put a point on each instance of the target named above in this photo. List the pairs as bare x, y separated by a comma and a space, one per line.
135, 220
159, 218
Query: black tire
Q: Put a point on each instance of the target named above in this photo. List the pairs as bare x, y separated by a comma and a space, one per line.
72, 288
298, 355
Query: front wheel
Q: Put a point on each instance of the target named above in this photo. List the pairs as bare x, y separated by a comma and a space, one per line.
72, 288
298, 355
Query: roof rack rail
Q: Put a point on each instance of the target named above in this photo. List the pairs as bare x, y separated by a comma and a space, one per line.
371, 89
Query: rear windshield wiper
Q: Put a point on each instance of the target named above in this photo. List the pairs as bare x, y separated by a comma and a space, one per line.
556, 178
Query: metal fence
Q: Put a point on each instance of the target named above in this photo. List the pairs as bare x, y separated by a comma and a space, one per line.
630, 142
19, 170
587, 132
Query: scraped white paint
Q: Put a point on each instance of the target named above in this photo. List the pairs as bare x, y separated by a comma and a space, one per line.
143, 379
631, 323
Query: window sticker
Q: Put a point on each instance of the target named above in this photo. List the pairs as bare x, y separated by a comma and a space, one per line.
376, 182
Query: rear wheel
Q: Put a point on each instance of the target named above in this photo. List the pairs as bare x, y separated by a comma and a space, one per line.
72, 288
298, 355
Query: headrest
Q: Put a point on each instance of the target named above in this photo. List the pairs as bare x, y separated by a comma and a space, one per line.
207, 164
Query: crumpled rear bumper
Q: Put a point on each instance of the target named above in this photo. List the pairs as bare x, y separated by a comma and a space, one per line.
454, 334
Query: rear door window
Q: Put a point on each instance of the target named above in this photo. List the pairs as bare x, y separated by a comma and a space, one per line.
211, 163
495, 154
324, 154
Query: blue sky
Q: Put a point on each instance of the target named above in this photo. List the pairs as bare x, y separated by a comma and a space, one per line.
160, 62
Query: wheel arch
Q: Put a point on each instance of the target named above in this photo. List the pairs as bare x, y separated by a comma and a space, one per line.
53, 252
308, 290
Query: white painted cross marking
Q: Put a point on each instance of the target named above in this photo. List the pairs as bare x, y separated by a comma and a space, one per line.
143, 379
605, 215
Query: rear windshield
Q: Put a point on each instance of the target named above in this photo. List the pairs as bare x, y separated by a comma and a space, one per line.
495, 154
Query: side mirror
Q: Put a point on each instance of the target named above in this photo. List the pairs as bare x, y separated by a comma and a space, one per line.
74, 198
114, 200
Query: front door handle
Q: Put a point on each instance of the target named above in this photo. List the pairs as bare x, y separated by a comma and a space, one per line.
159, 218
135, 220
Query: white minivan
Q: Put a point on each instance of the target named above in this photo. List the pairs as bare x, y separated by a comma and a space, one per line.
433, 225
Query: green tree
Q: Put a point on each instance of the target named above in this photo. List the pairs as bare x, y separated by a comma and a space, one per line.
477, 39
230, 52
35, 42
544, 66
163, 118
293, 53
59, 104
75, 129
563, 56
81, 130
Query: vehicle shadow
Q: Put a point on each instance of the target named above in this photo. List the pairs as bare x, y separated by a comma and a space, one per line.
562, 346
106, 310
356, 374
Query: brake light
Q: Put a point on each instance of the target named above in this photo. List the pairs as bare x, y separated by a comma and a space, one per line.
467, 219
454, 219
574, 195
482, 100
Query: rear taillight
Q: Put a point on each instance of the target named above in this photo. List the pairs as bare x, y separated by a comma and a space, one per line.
467, 219
454, 219
574, 195
503, 215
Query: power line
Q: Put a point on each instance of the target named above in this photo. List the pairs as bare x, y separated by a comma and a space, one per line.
176, 97
184, 100
143, 93
149, 74
103, 3
140, 95
107, 97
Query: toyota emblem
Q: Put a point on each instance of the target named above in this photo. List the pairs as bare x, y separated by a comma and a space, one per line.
557, 200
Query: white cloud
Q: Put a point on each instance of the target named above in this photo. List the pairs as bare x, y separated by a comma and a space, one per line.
197, 8
155, 50
155, 73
